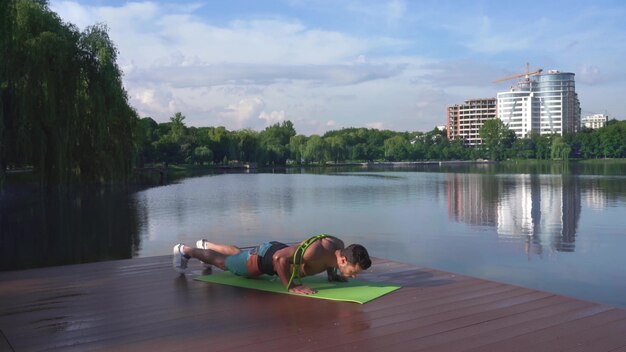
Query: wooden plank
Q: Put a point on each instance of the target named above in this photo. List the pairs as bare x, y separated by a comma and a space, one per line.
599, 338
402, 333
547, 337
355, 328
5, 346
465, 340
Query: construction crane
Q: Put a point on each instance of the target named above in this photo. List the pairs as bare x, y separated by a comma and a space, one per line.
525, 75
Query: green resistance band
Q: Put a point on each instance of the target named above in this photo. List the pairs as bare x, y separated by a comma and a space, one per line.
295, 273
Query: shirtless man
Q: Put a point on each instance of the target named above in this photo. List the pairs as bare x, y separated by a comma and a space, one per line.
275, 258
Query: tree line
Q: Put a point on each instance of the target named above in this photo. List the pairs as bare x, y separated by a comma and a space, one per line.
279, 144
501, 143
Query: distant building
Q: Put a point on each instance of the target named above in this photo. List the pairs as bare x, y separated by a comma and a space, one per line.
545, 103
594, 121
465, 120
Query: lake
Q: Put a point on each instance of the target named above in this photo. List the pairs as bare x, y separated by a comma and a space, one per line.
555, 227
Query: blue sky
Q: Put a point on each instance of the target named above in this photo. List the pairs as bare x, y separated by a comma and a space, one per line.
332, 64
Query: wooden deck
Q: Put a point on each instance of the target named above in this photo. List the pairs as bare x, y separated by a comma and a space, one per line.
143, 305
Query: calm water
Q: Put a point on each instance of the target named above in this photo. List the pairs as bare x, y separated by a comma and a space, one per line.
562, 232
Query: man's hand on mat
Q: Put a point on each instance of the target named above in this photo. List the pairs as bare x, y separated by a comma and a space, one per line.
303, 290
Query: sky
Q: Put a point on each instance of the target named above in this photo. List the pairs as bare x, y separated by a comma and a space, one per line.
328, 64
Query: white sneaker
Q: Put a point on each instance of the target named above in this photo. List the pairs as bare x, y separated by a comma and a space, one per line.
204, 244
180, 260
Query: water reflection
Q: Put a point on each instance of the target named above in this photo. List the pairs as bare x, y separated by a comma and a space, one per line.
544, 210
472, 201
45, 229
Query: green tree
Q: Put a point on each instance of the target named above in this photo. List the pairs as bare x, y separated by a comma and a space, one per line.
44, 96
202, 155
457, 150
274, 141
396, 148
7, 84
316, 150
167, 150
542, 145
178, 129
106, 140
523, 148
247, 145
297, 144
220, 144
497, 138
435, 142
478, 152
337, 148
418, 148
359, 152
559, 150
145, 135
612, 138
64, 110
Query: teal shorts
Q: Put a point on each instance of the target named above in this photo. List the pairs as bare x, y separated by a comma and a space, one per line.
246, 263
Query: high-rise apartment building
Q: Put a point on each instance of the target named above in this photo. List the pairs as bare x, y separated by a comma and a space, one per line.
466, 119
545, 103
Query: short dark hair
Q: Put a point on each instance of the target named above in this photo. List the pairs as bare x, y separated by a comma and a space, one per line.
357, 254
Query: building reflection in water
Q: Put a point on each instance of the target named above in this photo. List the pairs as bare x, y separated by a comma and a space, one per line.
541, 210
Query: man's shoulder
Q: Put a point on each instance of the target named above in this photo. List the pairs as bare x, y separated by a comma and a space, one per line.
331, 244
337, 242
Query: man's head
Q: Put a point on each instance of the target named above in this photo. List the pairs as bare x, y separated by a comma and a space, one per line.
354, 259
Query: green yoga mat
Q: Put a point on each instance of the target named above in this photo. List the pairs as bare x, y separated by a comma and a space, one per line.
352, 291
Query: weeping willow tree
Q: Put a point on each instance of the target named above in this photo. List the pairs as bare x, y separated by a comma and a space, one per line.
64, 109
7, 11
106, 122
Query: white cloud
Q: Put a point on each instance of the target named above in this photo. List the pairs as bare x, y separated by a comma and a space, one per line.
152, 101
273, 117
241, 114
150, 33
256, 74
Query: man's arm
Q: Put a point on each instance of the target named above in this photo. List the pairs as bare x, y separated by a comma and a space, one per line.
332, 275
283, 260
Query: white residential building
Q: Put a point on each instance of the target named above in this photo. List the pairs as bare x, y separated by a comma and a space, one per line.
545, 103
594, 121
